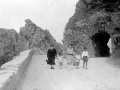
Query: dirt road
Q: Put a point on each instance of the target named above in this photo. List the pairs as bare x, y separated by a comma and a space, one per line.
99, 76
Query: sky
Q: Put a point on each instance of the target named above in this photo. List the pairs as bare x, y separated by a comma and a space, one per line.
47, 14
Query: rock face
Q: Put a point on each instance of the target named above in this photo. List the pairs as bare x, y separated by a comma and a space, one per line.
92, 25
36, 37
30, 37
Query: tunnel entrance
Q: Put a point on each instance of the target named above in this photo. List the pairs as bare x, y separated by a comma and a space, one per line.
100, 41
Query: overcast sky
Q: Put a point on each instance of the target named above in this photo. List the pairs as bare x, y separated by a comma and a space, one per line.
48, 14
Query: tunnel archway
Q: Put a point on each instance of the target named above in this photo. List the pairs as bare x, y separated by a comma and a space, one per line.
100, 41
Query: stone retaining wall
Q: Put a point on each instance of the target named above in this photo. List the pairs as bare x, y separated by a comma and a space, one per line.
12, 71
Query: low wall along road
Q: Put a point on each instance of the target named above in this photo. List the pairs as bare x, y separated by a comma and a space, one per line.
12, 71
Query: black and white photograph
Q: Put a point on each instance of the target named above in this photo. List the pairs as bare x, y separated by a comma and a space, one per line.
59, 44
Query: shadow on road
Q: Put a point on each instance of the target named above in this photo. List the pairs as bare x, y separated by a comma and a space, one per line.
115, 63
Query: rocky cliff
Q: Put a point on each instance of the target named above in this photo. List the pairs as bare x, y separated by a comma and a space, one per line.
30, 36
33, 35
92, 20
37, 37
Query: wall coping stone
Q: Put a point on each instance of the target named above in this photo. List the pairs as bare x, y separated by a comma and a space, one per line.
12, 71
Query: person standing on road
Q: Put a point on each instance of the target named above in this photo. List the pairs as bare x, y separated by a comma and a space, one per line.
60, 60
51, 54
85, 56
77, 60
70, 56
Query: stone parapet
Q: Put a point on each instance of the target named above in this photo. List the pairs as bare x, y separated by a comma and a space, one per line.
12, 71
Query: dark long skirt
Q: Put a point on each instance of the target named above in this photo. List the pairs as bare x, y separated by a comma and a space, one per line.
51, 60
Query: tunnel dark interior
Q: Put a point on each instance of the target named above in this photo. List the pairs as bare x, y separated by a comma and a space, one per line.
100, 41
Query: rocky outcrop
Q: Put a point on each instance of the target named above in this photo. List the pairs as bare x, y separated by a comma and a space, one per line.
92, 17
36, 37
33, 35
75, 35
30, 36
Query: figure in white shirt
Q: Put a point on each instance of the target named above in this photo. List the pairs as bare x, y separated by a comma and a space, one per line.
85, 57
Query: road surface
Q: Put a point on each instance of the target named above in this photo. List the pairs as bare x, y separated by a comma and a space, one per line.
99, 76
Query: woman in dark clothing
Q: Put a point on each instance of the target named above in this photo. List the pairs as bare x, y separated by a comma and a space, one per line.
51, 54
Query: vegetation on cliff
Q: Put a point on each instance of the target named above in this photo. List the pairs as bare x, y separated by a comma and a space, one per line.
91, 17
9, 44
